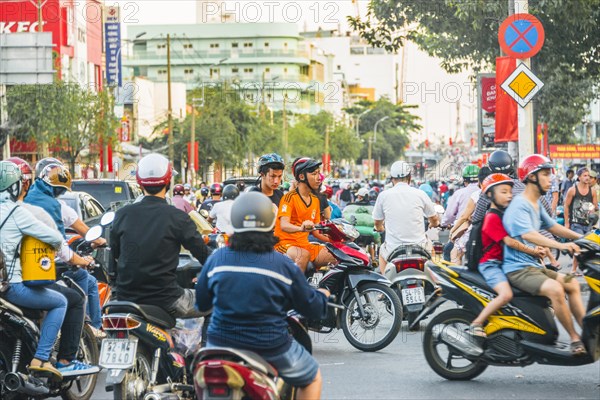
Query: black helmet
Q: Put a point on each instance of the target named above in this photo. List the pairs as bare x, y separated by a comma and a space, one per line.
373, 195
270, 161
216, 189
304, 165
252, 212
204, 191
230, 192
501, 162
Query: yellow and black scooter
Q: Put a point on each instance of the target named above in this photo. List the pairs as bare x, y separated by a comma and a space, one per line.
521, 333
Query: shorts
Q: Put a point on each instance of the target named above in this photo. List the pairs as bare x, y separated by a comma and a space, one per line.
579, 228
185, 306
492, 273
313, 248
531, 279
297, 367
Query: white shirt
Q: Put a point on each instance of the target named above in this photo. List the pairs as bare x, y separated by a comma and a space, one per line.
69, 216
222, 212
402, 208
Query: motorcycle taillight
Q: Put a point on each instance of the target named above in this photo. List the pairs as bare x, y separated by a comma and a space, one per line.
113, 323
409, 263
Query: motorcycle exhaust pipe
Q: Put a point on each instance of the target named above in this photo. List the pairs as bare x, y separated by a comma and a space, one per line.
459, 340
161, 396
30, 386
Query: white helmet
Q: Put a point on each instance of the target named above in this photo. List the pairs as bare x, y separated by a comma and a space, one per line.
362, 192
400, 169
154, 170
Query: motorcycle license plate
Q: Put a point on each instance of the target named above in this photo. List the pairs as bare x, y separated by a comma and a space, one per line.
117, 353
315, 279
413, 296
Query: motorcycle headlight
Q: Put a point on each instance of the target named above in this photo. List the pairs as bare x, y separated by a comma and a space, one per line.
221, 241
349, 230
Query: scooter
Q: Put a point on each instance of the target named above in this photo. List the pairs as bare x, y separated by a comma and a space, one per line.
372, 313
520, 334
406, 270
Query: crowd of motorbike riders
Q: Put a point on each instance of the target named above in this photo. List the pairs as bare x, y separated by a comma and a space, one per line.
272, 242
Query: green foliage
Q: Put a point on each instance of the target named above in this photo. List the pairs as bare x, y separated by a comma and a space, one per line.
463, 34
61, 115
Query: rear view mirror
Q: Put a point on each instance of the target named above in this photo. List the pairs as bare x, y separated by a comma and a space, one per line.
107, 218
94, 233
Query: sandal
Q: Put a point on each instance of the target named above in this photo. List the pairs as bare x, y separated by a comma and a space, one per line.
476, 331
578, 349
45, 367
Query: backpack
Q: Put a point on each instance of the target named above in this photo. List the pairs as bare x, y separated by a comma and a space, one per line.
346, 196
474, 249
4, 272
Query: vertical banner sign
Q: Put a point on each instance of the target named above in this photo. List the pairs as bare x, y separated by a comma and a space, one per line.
112, 41
193, 157
507, 122
486, 121
542, 139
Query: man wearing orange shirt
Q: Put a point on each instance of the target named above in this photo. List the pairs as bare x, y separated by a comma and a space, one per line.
299, 212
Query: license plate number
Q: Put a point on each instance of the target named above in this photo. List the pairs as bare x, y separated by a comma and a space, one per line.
413, 296
117, 353
315, 279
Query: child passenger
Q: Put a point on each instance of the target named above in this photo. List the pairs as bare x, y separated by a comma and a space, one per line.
498, 187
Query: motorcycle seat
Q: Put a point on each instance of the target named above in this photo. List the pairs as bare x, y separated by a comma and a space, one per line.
477, 278
149, 313
31, 313
250, 358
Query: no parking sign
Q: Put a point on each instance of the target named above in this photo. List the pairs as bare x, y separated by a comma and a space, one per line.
521, 36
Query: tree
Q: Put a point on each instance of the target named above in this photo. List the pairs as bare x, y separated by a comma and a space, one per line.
464, 36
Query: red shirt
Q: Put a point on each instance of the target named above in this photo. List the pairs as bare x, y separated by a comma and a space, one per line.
443, 188
492, 234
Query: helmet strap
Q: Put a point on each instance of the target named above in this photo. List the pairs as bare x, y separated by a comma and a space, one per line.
14, 190
537, 183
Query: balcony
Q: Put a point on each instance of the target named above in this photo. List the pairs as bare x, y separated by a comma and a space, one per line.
189, 57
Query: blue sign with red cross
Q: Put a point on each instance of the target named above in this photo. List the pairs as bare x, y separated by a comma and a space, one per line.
521, 36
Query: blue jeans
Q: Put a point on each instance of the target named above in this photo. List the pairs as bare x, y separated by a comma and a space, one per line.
41, 298
89, 284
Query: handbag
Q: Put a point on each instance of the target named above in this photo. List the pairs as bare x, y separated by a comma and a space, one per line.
4, 273
37, 262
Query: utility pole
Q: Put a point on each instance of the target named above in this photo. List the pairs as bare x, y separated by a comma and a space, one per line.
327, 157
193, 147
169, 108
369, 153
285, 128
40, 21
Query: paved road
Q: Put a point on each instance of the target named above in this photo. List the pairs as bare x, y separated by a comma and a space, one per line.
401, 372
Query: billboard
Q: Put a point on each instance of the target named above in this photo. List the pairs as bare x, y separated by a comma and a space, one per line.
112, 42
575, 151
486, 111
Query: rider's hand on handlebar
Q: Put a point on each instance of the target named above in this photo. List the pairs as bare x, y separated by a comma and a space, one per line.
307, 226
540, 251
100, 242
570, 247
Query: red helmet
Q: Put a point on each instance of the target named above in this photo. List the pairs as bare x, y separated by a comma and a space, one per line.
494, 180
154, 170
23, 166
532, 164
328, 190
178, 189
216, 189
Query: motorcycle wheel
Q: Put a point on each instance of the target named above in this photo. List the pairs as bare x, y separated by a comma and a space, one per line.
382, 320
137, 379
83, 387
441, 357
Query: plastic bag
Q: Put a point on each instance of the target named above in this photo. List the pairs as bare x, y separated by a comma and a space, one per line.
187, 335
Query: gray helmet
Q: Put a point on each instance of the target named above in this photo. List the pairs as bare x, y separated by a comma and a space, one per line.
10, 179
252, 212
230, 192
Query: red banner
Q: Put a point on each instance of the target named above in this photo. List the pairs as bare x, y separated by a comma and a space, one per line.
506, 108
193, 160
542, 139
488, 94
326, 158
572, 151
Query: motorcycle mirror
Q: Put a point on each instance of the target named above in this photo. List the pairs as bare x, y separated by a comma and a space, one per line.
94, 233
107, 218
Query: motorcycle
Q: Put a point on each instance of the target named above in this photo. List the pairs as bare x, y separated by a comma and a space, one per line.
406, 270
19, 335
372, 313
520, 334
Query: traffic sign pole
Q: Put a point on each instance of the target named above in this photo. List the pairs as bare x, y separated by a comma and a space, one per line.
526, 131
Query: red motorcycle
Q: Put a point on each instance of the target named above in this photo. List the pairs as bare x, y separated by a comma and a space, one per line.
369, 312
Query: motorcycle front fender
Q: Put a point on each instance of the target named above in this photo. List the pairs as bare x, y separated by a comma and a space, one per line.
114, 377
355, 279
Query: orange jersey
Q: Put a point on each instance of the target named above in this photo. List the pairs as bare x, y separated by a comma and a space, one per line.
293, 206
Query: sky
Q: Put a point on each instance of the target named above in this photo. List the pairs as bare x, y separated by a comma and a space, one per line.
426, 83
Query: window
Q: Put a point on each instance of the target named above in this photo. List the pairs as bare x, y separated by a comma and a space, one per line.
250, 96
248, 45
266, 44
339, 67
375, 50
214, 72
162, 71
214, 45
187, 46
267, 70
188, 73
269, 97
248, 70
234, 45
161, 46
235, 70
357, 50
285, 45
285, 70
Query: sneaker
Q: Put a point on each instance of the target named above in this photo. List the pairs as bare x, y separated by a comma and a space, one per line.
75, 368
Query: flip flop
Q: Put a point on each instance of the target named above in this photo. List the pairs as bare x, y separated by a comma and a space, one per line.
45, 367
477, 331
578, 349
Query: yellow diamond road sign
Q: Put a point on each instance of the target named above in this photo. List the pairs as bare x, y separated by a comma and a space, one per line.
522, 85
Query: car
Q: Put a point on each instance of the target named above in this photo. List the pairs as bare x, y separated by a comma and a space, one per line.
112, 194
246, 181
87, 207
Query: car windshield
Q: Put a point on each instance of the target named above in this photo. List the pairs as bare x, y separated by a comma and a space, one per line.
106, 193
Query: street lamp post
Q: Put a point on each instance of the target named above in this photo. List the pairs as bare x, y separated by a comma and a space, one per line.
374, 139
358, 121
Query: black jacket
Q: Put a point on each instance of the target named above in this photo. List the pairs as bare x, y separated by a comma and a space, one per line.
146, 238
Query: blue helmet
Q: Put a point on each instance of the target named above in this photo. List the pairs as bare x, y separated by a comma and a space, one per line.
426, 187
270, 161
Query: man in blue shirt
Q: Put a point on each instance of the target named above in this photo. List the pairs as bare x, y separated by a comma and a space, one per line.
523, 220
250, 288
